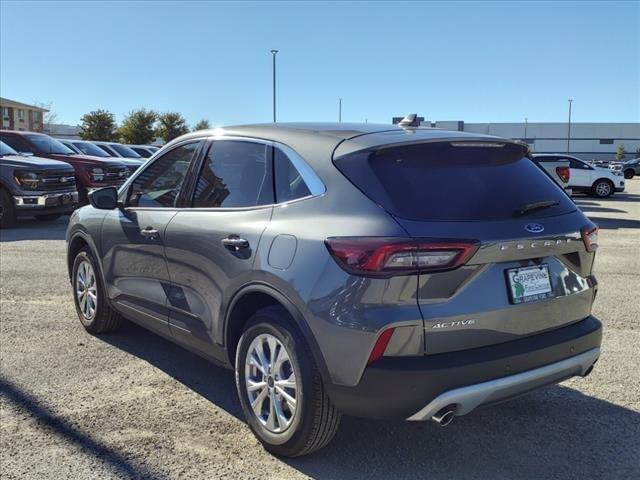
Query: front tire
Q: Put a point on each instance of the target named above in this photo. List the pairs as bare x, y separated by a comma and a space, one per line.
89, 297
602, 188
7, 211
629, 173
280, 388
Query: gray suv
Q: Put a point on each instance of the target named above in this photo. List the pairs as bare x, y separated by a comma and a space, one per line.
371, 270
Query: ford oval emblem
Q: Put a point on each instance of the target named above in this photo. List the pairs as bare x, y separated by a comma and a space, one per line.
534, 228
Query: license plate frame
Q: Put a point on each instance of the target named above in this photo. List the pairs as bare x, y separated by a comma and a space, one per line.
534, 287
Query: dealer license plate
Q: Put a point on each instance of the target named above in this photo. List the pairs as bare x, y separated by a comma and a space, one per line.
528, 284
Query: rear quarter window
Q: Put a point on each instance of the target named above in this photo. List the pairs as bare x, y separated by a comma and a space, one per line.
443, 182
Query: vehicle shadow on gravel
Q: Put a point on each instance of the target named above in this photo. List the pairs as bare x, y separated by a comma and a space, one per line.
214, 383
31, 229
45, 418
607, 223
556, 432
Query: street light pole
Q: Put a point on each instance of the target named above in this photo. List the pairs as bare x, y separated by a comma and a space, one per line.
273, 53
569, 127
526, 120
339, 110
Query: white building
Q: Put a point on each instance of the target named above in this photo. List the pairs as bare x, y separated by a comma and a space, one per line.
589, 141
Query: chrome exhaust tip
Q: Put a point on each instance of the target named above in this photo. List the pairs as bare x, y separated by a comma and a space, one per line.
445, 416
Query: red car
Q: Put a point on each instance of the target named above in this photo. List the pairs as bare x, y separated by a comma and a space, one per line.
91, 172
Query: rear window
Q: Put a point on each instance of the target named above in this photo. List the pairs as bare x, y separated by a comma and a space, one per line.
444, 182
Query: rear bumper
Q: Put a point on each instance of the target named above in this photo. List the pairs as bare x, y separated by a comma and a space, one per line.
412, 387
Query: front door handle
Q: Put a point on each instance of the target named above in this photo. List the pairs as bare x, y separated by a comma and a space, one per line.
234, 242
149, 232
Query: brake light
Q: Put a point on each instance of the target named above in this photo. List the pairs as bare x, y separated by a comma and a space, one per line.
590, 237
381, 345
564, 173
388, 256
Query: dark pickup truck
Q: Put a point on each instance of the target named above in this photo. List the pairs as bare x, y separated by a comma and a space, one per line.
91, 172
32, 186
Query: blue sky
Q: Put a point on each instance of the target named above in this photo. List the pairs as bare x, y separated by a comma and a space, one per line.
475, 61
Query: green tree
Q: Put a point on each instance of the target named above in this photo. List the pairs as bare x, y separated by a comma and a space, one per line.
171, 125
620, 152
201, 125
98, 125
138, 127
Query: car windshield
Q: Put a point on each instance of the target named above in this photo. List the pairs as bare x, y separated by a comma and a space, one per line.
49, 145
6, 150
125, 151
90, 149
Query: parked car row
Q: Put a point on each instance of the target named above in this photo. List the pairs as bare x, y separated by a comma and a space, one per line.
44, 177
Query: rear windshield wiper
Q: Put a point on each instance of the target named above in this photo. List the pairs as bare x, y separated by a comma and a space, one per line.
530, 207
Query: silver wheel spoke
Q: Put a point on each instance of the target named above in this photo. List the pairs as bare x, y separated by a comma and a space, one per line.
253, 386
288, 398
256, 405
287, 382
271, 419
283, 421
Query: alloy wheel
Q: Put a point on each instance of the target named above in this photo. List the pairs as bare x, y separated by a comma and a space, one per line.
603, 189
86, 290
271, 383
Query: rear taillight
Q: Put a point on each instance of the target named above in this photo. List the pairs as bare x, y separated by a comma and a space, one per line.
564, 173
385, 256
590, 237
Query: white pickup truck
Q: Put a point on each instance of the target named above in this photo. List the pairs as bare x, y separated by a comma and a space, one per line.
597, 181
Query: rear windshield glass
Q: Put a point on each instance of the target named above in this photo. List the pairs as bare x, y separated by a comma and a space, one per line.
443, 182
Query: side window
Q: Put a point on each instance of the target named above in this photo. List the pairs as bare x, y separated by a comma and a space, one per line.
234, 174
106, 149
17, 144
289, 182
159, 185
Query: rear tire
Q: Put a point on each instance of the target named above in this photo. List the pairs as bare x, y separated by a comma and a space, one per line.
89, 297
602, 188
629, 173
48, 218
7, 211
313, 420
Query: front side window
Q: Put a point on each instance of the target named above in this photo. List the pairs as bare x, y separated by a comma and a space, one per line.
47, 144
158, 185
125, 151
107, 150
289, 182
90, 149
235, 174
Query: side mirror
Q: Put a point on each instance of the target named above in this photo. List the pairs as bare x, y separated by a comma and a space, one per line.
104, 198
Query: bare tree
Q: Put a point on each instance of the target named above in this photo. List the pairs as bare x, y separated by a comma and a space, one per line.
49, 117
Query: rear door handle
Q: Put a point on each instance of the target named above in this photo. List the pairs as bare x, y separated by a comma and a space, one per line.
149, 232
235, 243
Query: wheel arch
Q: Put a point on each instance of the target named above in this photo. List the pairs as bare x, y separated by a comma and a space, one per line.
253, 297
605, 179
77, 242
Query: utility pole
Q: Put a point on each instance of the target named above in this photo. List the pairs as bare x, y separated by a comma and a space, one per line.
339, 110
569, 127
273, 53
526, 120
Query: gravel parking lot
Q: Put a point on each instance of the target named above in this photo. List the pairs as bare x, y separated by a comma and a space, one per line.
132, 405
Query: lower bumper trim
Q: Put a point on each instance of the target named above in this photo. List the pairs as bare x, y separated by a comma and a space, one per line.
468, 398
